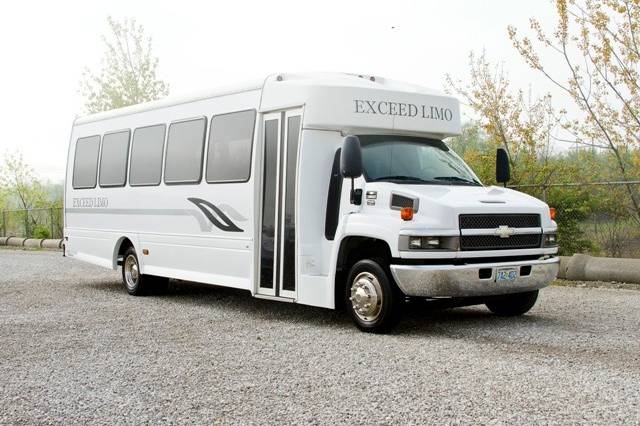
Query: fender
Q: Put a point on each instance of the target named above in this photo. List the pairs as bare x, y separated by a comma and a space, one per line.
359, 225
136, 245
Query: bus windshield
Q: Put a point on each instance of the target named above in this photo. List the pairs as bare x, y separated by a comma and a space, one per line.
413, 160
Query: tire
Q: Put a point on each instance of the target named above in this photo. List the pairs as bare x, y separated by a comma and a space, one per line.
134, 282
513, 304
373, 301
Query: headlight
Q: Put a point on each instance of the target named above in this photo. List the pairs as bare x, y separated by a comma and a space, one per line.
418, 243
428, 243
550, 240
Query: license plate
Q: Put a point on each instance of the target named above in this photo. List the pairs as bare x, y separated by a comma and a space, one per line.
506, 274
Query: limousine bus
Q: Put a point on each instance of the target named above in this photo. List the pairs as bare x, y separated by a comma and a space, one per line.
331, 190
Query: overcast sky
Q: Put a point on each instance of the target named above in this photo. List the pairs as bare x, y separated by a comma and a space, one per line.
46, 45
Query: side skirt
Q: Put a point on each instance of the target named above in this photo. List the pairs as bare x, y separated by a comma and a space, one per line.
279, 299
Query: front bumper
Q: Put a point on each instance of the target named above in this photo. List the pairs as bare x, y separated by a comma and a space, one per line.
465, 281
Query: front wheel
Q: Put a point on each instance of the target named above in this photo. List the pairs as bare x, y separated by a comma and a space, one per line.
513, 304
372, 299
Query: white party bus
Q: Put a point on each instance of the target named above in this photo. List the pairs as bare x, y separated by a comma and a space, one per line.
322, 189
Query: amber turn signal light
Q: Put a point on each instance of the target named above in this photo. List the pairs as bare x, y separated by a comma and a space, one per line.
552, 213
406, 213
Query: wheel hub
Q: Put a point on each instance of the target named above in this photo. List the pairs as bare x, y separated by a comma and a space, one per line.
131, 272
366, 296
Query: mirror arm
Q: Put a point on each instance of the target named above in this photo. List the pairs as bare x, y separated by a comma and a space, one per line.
356, 195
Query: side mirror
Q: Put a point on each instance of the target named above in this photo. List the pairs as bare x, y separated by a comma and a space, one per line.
503, 169
351, 165
351, 158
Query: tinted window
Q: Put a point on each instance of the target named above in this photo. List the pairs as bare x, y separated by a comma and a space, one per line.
333, 199
185, 146
230, 142
269, 202
113, 159
289, 256
85, 163
146, 155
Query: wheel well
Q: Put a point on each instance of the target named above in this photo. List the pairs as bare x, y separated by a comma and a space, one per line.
123, 246
353, 249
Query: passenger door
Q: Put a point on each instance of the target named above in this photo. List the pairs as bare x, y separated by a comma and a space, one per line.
277, 253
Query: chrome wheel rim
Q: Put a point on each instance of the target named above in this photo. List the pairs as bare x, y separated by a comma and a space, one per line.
131, 272
366, 297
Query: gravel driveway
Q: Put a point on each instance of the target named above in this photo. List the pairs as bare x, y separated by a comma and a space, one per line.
75, 348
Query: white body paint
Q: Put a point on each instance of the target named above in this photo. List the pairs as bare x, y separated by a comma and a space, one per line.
183, 244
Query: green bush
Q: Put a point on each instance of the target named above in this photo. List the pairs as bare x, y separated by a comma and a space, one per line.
572, 209
41, 231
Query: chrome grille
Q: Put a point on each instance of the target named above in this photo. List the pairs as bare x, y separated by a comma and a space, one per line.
490, 221
494, 242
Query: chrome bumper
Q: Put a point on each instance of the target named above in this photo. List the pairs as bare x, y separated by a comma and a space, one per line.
465, 281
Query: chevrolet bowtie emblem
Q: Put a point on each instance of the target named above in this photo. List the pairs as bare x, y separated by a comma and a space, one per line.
504, 231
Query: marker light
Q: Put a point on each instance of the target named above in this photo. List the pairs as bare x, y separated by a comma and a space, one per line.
552, 213
406, 213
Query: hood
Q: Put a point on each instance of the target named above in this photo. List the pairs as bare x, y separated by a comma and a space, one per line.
448, 201
474, 197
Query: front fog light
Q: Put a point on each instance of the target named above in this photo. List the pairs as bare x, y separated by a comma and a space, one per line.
550, 240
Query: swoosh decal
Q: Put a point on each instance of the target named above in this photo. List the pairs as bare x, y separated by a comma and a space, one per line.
222, 221
231, 212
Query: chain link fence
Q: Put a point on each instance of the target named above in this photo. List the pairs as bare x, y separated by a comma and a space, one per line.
596, 218
32, 223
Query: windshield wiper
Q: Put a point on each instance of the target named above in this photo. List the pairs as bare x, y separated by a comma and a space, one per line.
399, 177
457, 179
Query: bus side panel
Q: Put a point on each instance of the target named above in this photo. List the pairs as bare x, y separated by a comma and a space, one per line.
179, 226
184, 243
318, 148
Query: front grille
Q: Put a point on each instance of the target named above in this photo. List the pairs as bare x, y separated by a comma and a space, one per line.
494, 242
490, 221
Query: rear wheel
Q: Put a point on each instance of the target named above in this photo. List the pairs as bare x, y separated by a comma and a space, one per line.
371, 298
513, 304
136, 283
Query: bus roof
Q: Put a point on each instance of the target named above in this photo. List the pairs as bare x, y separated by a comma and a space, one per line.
307, 80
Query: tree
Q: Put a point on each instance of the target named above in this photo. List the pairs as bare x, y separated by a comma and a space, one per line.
4, 204
510, 119
18, 181
474, 147
599, 45
20, 188
128, 75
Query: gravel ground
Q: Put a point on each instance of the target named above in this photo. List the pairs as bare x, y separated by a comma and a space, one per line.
598, 284
75, 348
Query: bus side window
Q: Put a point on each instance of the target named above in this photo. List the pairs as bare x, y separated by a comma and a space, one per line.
85, 162
230, 146
113, 158
185, 149
146, 155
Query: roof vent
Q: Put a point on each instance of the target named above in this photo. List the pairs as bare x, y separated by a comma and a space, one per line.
372, 78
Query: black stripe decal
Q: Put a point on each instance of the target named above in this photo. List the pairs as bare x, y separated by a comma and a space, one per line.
207, 208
